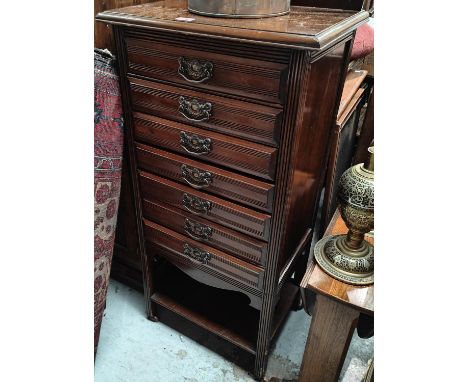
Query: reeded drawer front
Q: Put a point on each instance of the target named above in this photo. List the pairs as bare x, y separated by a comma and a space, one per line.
236, 118
204, 177
157, 189
204, 231
244, 77
203, 255
237, 154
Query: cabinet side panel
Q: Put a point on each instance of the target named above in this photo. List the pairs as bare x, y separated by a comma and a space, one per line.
319, 109
103, 32
126, 263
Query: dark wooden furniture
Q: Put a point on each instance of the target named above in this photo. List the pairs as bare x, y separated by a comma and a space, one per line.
103, 32
366, 133
344, 138
228, 124
335, 315
126, 263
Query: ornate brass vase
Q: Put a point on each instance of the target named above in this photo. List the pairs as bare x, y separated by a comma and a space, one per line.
350, 258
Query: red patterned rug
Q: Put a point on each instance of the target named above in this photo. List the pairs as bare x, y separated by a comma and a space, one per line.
108, 146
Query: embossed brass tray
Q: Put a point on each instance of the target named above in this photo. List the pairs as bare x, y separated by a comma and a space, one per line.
239, 8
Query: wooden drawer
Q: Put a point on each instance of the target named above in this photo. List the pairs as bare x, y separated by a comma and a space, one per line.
201, 176
202, 230
240, 119
244, 77
228, 214
237, 154
201, 255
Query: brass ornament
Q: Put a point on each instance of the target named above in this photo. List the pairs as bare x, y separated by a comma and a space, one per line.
350, 258
195, 177
194, 144
196, 205
197, 230
194, 70
194, 109
198, 254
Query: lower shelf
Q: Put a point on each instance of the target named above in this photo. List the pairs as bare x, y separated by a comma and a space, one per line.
226, 314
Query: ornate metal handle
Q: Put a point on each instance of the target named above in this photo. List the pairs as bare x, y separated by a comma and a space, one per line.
197, 254
194, 70
197, 230
194, 110
194, 144
196, 205
195, 177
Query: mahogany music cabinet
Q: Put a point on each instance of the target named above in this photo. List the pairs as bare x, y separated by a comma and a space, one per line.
228, 124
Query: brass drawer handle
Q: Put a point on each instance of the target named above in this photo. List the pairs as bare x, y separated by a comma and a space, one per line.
196, 205
195, 177
197, 230
198, 254
194, 110
194, 144
194, 70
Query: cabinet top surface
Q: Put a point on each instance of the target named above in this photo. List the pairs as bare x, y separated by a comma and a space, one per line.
303, 27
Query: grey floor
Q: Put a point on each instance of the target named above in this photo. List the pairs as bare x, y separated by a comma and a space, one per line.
134, 349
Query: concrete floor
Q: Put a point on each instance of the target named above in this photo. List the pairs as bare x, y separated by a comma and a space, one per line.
134, 349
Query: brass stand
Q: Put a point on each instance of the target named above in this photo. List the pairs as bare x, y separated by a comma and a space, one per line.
350, 258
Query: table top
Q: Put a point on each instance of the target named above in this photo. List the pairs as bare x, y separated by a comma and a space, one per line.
315, 279
303, 28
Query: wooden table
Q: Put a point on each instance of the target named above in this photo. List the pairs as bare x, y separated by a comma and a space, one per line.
335, 316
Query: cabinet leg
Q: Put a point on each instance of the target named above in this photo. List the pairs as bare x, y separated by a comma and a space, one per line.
330, 333
260, 367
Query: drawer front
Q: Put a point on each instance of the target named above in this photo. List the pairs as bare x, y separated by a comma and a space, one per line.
201, 204
244, 77
201, 176
240, 119
237, 154
203, 256
201, 230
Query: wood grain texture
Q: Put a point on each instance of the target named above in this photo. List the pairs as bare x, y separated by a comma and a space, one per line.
230, 266
236, 118
127, 113
223, 238
227, 184
237, 154
289, 157
318, 110
342, 151
354, 80
225, 213
305, 121
223, 272
246, 77
329, 336
335, 316
302, 28
126, 263
102, 32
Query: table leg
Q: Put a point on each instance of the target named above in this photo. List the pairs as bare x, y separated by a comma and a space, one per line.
329, 337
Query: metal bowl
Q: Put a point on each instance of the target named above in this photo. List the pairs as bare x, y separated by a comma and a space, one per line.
239, 8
